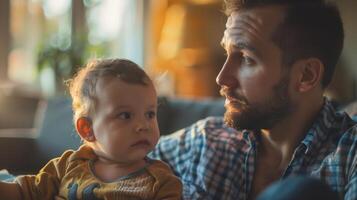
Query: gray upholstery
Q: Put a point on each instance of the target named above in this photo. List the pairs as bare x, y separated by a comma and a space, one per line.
57, 133
175, 114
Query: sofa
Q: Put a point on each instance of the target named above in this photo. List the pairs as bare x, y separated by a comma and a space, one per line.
56, 133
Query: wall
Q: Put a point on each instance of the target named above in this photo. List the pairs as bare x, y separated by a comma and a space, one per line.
344, 85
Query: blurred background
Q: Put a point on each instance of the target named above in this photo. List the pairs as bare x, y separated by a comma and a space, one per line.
43, 42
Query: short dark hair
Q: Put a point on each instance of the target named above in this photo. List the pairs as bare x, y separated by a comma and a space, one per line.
311, 28
83, 85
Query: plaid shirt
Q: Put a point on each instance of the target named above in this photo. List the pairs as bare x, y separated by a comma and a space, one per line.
218, 162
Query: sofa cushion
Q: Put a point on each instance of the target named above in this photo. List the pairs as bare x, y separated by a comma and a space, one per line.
175, 114
58, 134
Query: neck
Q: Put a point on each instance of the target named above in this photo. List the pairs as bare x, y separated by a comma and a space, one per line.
280, 141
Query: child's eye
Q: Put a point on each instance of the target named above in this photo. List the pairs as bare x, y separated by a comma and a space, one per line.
124, 115
151, 114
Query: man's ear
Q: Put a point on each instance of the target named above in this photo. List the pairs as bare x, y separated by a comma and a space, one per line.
311, 72
84, 129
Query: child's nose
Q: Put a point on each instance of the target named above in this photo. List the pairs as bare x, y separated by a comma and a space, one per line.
143, 126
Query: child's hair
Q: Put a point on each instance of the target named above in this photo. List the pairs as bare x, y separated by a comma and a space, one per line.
83, 85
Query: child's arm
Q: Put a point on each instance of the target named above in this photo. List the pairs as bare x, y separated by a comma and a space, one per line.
9, 191
171, 189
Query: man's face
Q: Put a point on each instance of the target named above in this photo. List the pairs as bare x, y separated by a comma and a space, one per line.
253, 80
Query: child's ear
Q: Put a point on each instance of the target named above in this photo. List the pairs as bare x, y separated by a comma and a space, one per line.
84, 129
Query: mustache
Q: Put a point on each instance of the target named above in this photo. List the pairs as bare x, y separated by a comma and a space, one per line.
230, 93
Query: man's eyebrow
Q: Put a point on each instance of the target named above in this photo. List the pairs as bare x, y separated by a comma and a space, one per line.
240, 45
244, 45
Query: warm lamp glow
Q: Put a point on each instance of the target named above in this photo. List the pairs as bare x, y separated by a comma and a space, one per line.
205, 1
171, 32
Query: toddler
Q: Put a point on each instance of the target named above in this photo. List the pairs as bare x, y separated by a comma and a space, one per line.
114, 105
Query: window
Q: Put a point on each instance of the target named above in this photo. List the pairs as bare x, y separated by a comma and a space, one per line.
45, 32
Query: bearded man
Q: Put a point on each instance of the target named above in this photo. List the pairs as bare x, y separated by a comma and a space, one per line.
281, 55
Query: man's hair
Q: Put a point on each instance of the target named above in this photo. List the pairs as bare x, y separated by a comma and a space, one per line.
311, 28
83, 86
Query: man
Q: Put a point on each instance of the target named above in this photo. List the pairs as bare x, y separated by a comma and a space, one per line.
281, 54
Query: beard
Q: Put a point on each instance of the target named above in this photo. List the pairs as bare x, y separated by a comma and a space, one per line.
240, 114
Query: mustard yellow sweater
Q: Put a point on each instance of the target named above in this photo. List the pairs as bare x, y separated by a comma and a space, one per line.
70, 177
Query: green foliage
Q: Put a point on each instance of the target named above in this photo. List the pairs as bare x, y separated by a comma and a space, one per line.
66, 59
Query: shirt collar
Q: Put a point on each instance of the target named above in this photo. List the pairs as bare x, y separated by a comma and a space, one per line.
327, 120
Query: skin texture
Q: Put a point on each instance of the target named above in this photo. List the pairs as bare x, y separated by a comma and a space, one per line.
123, 127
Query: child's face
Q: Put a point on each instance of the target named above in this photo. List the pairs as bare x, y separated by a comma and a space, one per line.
124, 122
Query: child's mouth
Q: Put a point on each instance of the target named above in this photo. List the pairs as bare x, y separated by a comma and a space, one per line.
141, 143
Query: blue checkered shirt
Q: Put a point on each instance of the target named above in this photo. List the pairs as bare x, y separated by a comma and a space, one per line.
218, 162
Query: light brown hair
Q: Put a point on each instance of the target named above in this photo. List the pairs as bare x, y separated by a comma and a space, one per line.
83, 85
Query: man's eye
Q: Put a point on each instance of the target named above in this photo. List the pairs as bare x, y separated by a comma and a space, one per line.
124, 115
248, 61
150, 114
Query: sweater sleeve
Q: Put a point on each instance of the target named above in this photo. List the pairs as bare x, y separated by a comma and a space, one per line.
45, 184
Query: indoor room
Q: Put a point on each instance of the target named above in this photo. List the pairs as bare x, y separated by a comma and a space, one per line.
178, 43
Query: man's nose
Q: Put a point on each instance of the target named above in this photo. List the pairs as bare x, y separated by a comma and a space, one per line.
228, 75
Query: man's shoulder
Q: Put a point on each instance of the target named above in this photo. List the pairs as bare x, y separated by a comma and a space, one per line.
348, 136
344, 140
344, 126
334, 124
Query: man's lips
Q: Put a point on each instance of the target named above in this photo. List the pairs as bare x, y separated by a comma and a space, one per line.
141, 143
230, 99
230, 95
234, 104
231, 103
